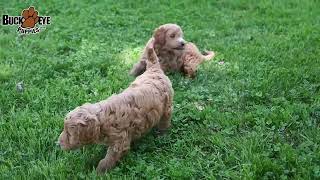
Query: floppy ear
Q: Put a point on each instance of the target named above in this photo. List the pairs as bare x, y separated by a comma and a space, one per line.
90, 128
160, 36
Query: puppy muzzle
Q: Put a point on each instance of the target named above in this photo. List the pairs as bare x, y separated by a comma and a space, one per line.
181, 43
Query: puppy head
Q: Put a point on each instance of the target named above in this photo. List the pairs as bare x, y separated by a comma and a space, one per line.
81, 126
169, 36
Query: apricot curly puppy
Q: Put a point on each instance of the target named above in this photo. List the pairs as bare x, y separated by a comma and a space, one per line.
122, 118
173, 52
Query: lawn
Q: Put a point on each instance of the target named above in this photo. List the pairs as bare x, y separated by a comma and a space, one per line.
255, 116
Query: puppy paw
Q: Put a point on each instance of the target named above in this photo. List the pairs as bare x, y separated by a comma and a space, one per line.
30, 17
161, 132
191, 76
102, 167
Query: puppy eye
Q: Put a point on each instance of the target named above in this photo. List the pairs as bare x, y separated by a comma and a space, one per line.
172, 35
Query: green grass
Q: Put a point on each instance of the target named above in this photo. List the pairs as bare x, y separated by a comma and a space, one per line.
255, 117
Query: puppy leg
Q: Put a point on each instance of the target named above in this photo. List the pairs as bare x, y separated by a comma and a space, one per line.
190, 70
114, 154
193, 58
165, 121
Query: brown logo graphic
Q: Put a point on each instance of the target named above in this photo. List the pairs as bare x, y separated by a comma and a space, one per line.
30, 22
30, 18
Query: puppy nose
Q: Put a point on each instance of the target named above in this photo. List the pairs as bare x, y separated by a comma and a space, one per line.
183, 43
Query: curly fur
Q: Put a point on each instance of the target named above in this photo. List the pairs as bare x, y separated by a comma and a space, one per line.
122, 118
173, 52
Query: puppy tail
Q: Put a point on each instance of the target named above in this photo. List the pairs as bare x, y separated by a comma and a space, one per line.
138, 68
208, 55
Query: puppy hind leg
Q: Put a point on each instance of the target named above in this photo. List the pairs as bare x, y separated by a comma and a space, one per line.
164, 124
165, 121
190, 70
208, 55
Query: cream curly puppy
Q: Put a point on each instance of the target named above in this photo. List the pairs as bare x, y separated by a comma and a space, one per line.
122, 118
174, 53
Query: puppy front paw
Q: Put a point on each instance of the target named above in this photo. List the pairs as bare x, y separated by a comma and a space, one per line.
102, 167
161, 132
